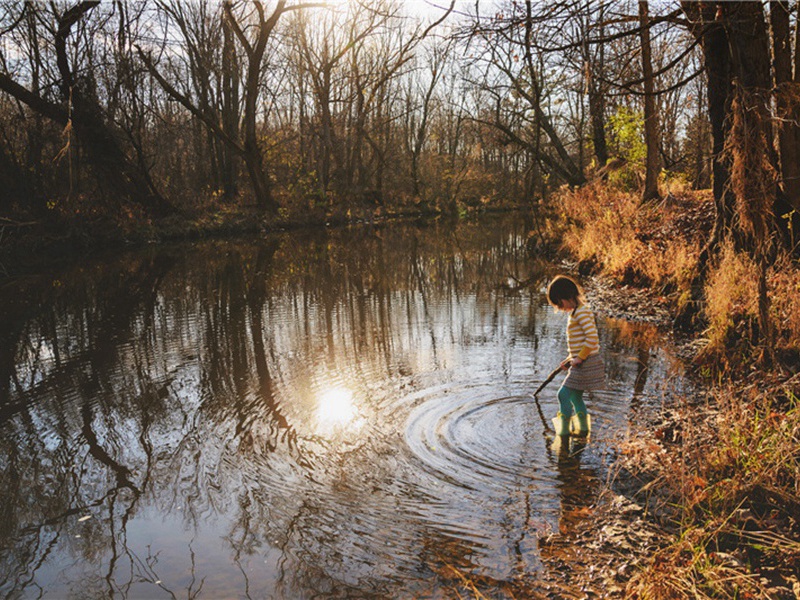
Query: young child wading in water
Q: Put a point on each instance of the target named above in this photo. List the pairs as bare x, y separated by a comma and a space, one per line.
586, 369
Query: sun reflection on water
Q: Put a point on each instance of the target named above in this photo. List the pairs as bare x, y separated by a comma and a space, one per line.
337, 411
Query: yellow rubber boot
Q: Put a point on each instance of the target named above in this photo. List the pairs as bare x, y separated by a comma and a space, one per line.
561, 423
580, 424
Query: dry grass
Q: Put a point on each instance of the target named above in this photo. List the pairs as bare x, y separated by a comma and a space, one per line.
634, 243
732, 311
686, 569
731, 297
733, 498
785, 297
600, 226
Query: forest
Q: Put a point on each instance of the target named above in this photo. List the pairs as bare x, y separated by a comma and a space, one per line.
653, 144
148, 120
137, 111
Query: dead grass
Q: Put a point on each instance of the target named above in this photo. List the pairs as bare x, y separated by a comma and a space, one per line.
731, 297
785, 297
651, 244
732, 312
728, 485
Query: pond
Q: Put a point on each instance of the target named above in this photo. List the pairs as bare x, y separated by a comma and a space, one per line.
338, 413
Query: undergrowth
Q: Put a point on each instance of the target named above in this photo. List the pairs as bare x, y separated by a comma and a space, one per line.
728, 487
609, 231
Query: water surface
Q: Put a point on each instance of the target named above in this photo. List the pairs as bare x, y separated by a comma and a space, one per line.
332, 414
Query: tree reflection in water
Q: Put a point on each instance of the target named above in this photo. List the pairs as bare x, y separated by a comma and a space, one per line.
234, 417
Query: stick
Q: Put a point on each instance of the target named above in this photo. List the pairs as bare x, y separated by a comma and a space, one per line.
546, 381
546, 425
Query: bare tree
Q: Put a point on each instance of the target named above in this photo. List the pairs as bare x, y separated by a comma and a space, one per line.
437, 64
596, 87
79, 110
514, 67
253, 29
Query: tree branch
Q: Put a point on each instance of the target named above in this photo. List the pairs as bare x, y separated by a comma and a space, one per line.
208, 120
34, 101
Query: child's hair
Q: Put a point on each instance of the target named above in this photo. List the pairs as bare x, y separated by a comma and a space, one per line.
563, 288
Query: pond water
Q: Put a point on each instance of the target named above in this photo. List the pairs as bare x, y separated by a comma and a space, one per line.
341, 413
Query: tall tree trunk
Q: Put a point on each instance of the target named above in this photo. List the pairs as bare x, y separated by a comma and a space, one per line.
652, 167
421, 132
253, 154
596, 89
717, 61
230, 109
787, 202
735, 44
326, 151
597, 116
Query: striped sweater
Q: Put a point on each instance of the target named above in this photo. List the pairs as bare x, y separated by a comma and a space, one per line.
582, 338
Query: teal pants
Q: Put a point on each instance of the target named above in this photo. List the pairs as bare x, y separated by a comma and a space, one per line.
569, 398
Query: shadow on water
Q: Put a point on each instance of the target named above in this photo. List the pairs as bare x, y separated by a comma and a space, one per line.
332, 414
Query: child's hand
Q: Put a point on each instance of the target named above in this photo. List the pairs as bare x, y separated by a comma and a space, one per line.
565, 364
577, 362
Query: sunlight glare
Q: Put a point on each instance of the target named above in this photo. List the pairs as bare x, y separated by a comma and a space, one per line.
336, 409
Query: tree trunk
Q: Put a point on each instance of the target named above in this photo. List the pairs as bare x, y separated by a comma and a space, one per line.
650, 116
717, 61
230, 110
597, 101
735, 44
788, 198
253, 155
597, 109
421, 133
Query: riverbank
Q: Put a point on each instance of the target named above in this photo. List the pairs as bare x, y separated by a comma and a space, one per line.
29, 244
704, 497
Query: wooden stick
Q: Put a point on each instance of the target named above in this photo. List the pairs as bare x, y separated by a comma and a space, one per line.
548, 380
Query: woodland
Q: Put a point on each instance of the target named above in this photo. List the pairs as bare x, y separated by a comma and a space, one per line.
142, 110
131, 112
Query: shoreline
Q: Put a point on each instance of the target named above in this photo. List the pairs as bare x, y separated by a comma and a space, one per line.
32, 245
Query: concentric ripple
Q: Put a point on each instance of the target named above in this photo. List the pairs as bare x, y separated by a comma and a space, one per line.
471, 438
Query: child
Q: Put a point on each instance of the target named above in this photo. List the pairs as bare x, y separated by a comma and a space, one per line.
586, 369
